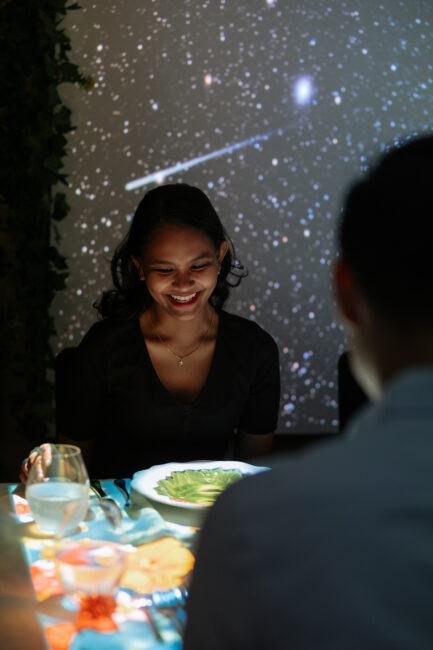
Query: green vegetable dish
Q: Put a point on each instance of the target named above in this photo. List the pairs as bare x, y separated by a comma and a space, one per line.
198, 486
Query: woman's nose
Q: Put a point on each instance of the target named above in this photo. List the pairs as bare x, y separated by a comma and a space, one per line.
183, 279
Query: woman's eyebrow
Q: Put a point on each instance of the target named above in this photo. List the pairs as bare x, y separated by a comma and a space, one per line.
201, 257
195, 259
160, 262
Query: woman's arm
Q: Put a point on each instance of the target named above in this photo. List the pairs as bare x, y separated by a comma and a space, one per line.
249, 445
260, 412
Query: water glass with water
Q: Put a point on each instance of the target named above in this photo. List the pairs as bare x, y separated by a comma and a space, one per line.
57, 489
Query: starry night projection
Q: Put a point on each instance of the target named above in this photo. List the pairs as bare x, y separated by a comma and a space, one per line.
271, 107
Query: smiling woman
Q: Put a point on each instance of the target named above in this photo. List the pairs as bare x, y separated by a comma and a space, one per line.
168, 375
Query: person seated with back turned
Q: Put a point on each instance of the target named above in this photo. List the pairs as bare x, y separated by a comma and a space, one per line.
334, 550
167, 374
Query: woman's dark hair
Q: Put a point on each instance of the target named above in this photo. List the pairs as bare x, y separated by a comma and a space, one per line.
178, 204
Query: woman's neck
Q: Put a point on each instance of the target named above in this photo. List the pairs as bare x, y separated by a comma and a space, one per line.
157, 323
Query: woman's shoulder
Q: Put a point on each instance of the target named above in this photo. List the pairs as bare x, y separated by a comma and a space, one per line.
244, 330
105, 333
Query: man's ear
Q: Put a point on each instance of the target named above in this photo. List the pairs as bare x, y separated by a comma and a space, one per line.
222, 251
346, 291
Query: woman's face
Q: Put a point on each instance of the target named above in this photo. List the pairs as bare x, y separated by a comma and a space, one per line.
180, 266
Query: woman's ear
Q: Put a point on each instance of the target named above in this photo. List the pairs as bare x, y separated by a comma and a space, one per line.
222, 251
138, 267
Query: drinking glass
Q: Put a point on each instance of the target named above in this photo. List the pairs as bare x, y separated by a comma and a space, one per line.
90, 572
89, 566
57, 489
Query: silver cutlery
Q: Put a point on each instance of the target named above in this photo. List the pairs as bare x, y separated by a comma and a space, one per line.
121, 484
147, 604
109, 506
170, 603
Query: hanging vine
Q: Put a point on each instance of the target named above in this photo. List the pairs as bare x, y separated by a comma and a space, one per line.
34, 123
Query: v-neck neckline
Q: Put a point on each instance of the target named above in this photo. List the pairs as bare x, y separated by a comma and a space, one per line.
209, 374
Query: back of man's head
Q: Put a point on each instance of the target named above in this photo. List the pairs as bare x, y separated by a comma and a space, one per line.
385, 234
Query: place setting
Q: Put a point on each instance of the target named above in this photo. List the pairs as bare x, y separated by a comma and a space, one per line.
110, 561
93, 573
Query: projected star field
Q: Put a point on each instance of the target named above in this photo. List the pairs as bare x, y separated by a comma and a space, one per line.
269, 106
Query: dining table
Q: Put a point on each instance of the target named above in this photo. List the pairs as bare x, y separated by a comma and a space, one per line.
149, 603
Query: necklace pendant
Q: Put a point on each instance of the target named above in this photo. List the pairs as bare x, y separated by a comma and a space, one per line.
180, 363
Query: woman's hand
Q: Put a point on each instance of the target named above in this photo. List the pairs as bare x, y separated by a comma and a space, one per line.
37, 455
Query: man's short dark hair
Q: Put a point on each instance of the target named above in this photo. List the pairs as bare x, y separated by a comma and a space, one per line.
385, 233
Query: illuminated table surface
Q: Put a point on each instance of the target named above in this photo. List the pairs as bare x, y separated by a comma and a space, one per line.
32, 607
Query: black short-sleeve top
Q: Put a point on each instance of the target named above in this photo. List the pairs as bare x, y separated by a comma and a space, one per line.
112, 393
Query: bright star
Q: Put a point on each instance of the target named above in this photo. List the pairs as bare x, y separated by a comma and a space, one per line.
303, 90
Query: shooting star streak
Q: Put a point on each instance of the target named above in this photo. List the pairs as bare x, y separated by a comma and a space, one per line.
160, 175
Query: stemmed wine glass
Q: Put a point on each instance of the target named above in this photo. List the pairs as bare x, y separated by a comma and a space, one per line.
57, 489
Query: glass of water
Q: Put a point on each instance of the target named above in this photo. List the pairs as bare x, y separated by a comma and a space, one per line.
57, 489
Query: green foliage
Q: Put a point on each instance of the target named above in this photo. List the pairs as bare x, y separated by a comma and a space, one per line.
34, 60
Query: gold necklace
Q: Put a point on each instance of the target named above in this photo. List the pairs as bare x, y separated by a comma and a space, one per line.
178, 357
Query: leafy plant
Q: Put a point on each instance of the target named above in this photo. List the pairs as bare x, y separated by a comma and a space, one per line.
34, 122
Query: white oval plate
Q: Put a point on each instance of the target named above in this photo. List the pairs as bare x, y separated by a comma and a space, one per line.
145, 481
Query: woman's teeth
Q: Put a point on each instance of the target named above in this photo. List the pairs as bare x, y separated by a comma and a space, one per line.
184, 298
